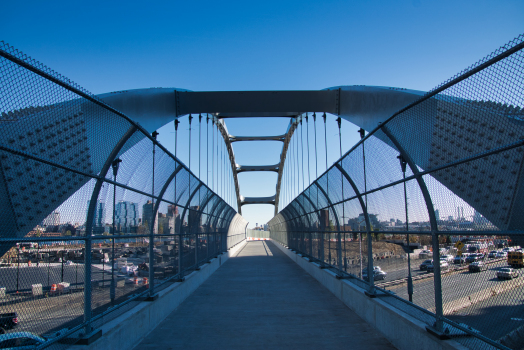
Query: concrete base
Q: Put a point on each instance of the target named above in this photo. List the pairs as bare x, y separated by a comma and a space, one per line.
401, 329
129, 328
90, 338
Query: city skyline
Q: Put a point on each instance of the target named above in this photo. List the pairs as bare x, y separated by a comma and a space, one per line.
266, 50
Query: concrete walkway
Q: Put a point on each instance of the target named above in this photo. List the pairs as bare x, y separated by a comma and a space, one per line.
261, 299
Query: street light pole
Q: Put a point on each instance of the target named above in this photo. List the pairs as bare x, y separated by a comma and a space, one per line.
112, 292
403, 164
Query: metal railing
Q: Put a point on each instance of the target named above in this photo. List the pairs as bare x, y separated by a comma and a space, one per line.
95, 213
257, 234
443, 174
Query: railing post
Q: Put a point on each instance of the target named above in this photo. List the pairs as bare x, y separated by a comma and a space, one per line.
180, 251
87, 281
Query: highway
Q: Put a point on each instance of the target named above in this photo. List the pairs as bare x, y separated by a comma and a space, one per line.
505, 310
496, 316
499, 311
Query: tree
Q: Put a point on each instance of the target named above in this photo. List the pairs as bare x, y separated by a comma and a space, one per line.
68, 233
143, 229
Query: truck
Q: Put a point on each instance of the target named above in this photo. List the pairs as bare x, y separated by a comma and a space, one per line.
516, 259
8, 321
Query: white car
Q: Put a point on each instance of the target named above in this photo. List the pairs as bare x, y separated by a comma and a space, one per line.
507, 273
448, 258
502, 254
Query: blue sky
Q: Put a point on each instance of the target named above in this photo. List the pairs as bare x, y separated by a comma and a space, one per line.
265, 45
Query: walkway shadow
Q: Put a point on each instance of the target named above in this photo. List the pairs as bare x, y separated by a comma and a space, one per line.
271, 246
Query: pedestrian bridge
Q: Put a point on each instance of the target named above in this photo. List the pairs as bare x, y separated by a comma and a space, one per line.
107, 238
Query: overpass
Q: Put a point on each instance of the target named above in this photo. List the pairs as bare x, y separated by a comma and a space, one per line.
85, 178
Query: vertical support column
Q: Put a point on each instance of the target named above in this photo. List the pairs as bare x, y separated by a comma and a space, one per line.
187, 206
112, 293
330, 205
403, 164
88, 334
363, 205
180, 249
437, 277
87, 276
339, 238
371, 274
152, 295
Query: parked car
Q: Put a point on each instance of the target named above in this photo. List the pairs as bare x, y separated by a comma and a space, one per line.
8, 321
477, 266
459, 259
492, 254
507, 273
443, 266
378, 274
425, 264
20, 340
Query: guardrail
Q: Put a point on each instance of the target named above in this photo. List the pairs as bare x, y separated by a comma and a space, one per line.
90, 185
445, 168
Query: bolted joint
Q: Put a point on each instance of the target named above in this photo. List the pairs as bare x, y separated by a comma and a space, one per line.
339, 122
154, 134
115, 164
402, 163
324, 116
362, 133
176, 124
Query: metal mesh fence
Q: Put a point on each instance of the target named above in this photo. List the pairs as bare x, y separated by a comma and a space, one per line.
95, 213
439, 181
257, 235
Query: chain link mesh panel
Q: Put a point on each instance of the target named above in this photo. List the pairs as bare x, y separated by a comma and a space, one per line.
438, 190
95, 212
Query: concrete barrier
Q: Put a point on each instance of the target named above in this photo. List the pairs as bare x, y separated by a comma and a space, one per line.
126, 331
468, 300
401, 329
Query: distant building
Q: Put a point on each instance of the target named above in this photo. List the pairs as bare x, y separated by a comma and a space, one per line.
126, 216
52, 219
373, 220
324, 219
194, 219
147, 215
99, 217
174, 218
165, 224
